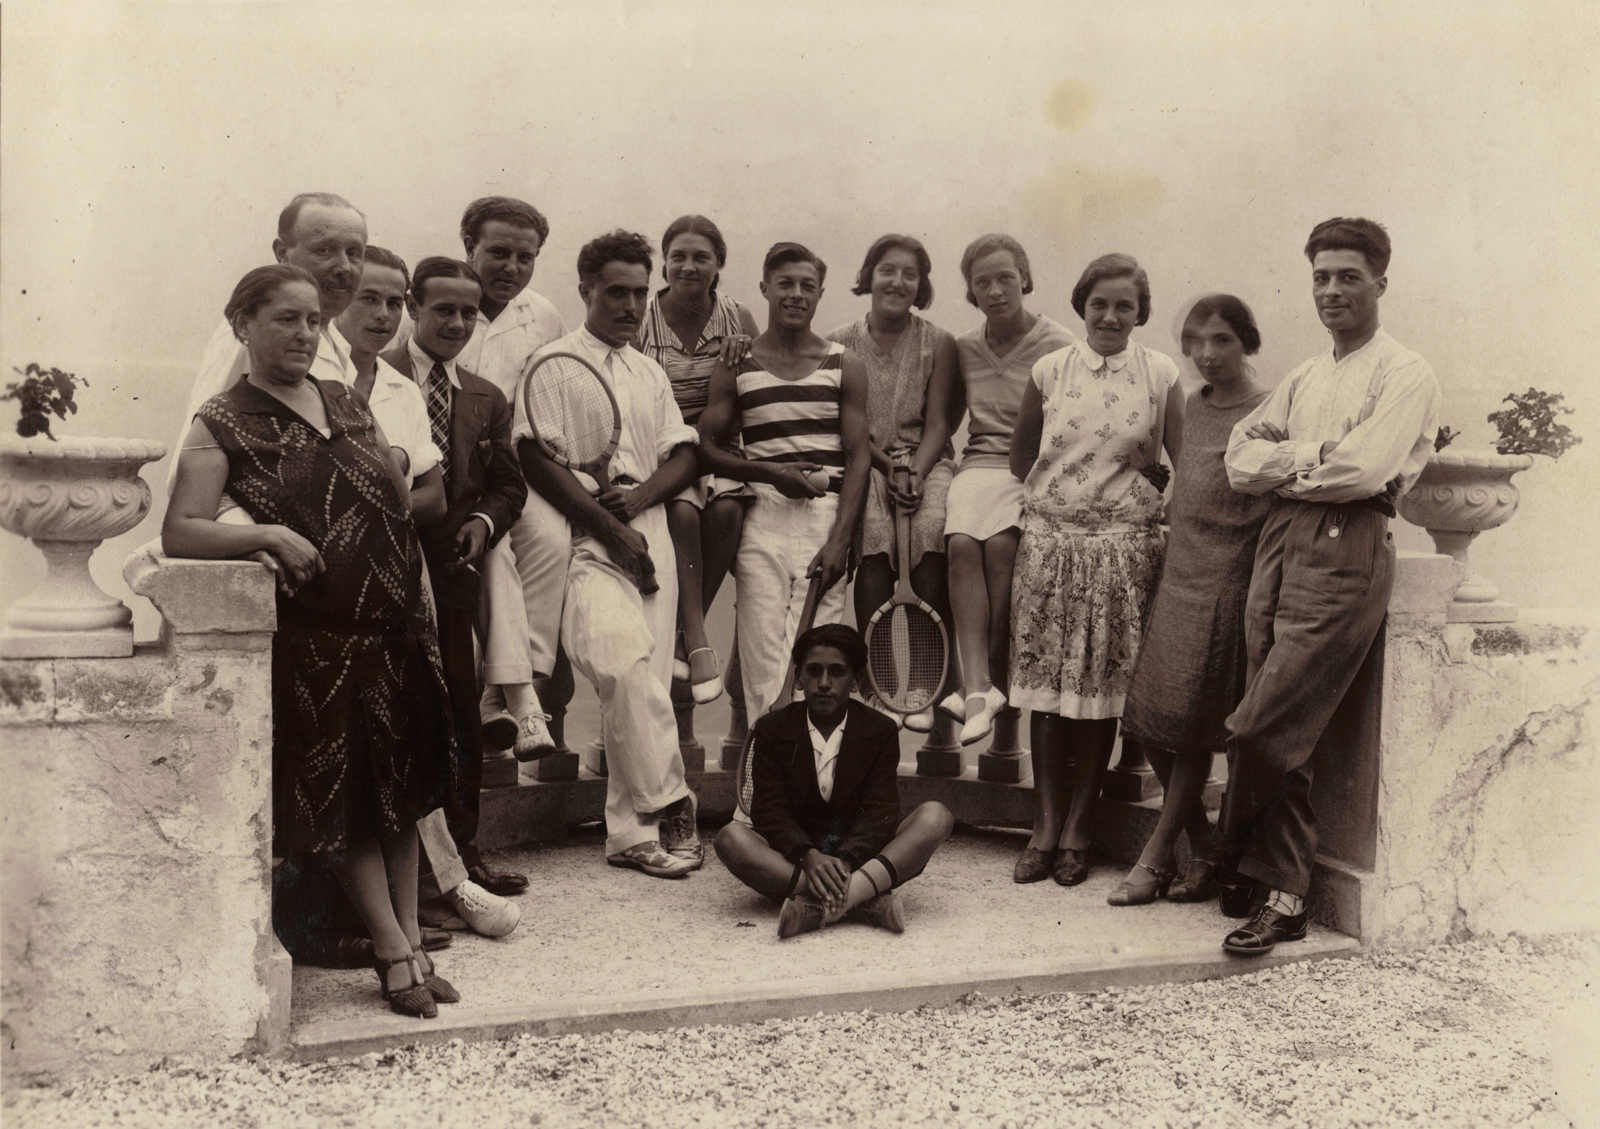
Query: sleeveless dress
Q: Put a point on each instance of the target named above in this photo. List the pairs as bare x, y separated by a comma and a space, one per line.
362, 741
1091, 546
1191, 669
689, 372
897, 396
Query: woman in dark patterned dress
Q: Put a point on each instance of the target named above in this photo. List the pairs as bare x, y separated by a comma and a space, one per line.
361, 741
1191, 669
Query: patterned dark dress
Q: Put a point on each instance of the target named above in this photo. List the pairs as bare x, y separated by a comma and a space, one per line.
1191, 669
361, 734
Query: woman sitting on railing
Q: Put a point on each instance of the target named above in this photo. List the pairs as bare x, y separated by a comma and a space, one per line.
362, 742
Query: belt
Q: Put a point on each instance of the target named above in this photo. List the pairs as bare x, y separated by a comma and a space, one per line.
1383, 503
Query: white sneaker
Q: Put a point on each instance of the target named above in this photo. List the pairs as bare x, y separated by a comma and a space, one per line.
920, 722
981, 709
533, 737
954, 705
488, 914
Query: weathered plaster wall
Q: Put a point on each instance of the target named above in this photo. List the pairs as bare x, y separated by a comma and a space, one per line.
1489, 788
136, 827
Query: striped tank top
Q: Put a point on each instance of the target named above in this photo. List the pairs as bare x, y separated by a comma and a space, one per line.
792, 421
688, 370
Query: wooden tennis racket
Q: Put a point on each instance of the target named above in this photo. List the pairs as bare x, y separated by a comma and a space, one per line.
907, 644
744, 781
576, 424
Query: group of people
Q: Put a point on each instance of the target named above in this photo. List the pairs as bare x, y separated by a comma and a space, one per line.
358, 427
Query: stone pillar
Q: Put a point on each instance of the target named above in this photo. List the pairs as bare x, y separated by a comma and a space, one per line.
1003, 762
1131, 779
555, 692
138, 819
940, 754
738, 723
692, 751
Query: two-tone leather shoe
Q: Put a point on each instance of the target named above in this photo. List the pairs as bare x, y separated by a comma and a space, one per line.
1258, 936
506, 883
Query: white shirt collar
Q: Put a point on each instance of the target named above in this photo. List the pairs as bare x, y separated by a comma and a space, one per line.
1114, 363
601, 349
825, 752
422, 365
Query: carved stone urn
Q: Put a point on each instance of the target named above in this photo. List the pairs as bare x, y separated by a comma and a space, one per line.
67, 495
1459, 495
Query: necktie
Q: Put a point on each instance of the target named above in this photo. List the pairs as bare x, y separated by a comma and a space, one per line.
439, 413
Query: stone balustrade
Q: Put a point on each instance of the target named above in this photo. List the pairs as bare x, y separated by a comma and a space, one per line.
1457, 795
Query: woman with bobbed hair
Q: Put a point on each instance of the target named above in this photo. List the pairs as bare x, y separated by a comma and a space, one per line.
911, 374
362, 743
689, 329
1191, 668
983, 514
1094, 420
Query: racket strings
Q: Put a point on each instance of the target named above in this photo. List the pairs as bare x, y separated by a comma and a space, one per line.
569, 409
906, 657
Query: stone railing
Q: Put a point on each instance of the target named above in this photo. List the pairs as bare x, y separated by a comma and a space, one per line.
137, 847
1457, 795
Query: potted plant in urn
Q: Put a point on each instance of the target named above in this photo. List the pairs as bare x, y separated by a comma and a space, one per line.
67, 495
1463, 492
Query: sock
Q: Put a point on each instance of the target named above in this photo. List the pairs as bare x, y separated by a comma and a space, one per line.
794, 881
520, 699
1287, 903
875, 876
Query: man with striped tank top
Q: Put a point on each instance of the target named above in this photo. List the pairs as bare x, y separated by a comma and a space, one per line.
799, 404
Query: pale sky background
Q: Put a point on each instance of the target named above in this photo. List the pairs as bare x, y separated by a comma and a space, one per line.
146, 148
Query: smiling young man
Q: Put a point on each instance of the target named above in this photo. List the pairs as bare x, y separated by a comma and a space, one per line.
470, 423
798, 402
825, 835
618, 639
1343, 436
525, 573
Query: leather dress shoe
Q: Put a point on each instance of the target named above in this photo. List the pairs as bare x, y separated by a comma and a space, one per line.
1197, 883
1033, 865
679, 832
1238, 896
1262, 932
654, 860
506, 883
1072, 866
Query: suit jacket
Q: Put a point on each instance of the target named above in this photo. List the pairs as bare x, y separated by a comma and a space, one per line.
787, 808
482, 477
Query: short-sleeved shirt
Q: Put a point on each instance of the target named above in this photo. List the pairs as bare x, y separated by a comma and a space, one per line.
994, 388
1104, 420
652, 425
689, 369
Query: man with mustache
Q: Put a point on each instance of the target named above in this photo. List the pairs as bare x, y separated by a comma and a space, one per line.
799, 402
1343, 436
470, 423
618, 639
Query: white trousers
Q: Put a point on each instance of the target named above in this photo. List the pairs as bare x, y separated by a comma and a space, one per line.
622, 643
443, 858
780, 538
524, 582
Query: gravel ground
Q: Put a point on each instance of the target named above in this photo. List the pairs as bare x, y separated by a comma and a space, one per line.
1482, 1034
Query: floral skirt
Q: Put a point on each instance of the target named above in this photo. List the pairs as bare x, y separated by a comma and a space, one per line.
1078, 607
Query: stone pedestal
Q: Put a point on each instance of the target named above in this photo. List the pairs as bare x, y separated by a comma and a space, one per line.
940, 754
1003, 761
499, 769
689, 747
738, 723
555, 692
138, 827
1131, 779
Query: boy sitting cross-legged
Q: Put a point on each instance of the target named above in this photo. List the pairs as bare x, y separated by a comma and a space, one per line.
827, 838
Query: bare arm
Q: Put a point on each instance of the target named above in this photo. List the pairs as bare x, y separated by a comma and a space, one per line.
190, 528
1172, 434
935, 422
719, 421
561, 488
1030, 426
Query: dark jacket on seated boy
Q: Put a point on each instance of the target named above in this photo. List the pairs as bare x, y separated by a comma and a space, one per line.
787, 808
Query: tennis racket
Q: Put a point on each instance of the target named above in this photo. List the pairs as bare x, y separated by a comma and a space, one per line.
576, 424
907, 644
744, 780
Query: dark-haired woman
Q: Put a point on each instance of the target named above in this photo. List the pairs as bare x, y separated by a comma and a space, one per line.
911, 376
1191, 669
362, 742
1095, 418
689, 329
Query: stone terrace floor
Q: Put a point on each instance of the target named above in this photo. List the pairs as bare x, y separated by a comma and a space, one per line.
600, 947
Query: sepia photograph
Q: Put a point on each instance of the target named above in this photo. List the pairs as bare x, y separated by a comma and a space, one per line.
691, 563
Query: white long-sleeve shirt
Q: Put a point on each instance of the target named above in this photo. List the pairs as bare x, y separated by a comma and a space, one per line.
1379, 405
